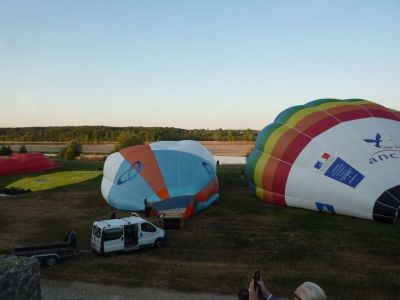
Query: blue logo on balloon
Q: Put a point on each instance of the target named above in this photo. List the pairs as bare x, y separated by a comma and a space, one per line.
377, 140
325, 207
209, 170
131, 173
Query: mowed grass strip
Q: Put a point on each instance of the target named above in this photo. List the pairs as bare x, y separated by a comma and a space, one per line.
220, 248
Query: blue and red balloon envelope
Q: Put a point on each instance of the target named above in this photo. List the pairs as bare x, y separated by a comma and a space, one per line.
175, 176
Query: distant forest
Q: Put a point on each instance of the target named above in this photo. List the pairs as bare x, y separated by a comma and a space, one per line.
99, 134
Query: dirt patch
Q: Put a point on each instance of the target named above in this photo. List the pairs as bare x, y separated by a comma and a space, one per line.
229, 148
216, 148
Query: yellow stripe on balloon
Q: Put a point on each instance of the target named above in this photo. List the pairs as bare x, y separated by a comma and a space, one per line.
274, 138
259, 192
328, 105
300, 115
259, 169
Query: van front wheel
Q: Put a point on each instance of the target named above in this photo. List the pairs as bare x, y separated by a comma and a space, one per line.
158, 243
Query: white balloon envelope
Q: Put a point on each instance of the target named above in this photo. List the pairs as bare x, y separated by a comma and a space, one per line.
338, 156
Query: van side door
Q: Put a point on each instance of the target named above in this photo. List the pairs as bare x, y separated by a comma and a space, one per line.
147, 234
113, 239
131, 235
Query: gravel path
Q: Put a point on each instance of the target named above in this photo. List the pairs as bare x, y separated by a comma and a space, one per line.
60, 290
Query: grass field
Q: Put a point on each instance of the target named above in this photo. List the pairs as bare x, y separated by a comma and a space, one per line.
219, 249
53, 180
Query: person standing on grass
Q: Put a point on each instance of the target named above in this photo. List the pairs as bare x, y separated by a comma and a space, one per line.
241, 173
147, 207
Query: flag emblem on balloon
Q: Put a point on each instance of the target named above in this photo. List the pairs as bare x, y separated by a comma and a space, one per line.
320, 163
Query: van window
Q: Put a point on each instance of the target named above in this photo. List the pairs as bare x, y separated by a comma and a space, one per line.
147, 227
96, 231
112, 234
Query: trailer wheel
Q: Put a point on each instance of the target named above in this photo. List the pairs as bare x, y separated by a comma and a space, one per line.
51, 261
158, 243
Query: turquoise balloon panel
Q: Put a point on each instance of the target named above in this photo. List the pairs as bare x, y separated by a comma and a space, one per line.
183, 173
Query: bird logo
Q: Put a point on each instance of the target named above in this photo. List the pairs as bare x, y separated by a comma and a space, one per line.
377, 141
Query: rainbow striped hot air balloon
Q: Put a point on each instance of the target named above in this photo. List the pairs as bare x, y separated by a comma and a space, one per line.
179, 176
339, 156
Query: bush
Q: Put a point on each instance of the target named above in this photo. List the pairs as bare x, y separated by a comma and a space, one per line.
23, 149
71, 151
126, 139
6, 150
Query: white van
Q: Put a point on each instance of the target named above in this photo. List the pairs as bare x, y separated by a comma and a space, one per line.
125, 234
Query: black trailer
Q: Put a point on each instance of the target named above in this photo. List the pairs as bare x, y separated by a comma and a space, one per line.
51, 254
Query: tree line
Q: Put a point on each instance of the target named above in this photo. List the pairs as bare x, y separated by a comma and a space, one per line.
6, 150
100, 134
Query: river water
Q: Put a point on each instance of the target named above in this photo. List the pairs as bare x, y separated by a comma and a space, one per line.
230, 160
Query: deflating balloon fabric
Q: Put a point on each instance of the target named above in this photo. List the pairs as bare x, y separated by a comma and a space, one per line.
331, 155
175, 176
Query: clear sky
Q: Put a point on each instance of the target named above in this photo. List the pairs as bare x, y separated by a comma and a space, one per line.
191, 64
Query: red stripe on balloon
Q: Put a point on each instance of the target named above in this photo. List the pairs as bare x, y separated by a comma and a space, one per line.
150, 170
279, 182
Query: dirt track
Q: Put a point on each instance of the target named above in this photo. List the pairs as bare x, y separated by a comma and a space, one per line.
216, 148
60, 290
